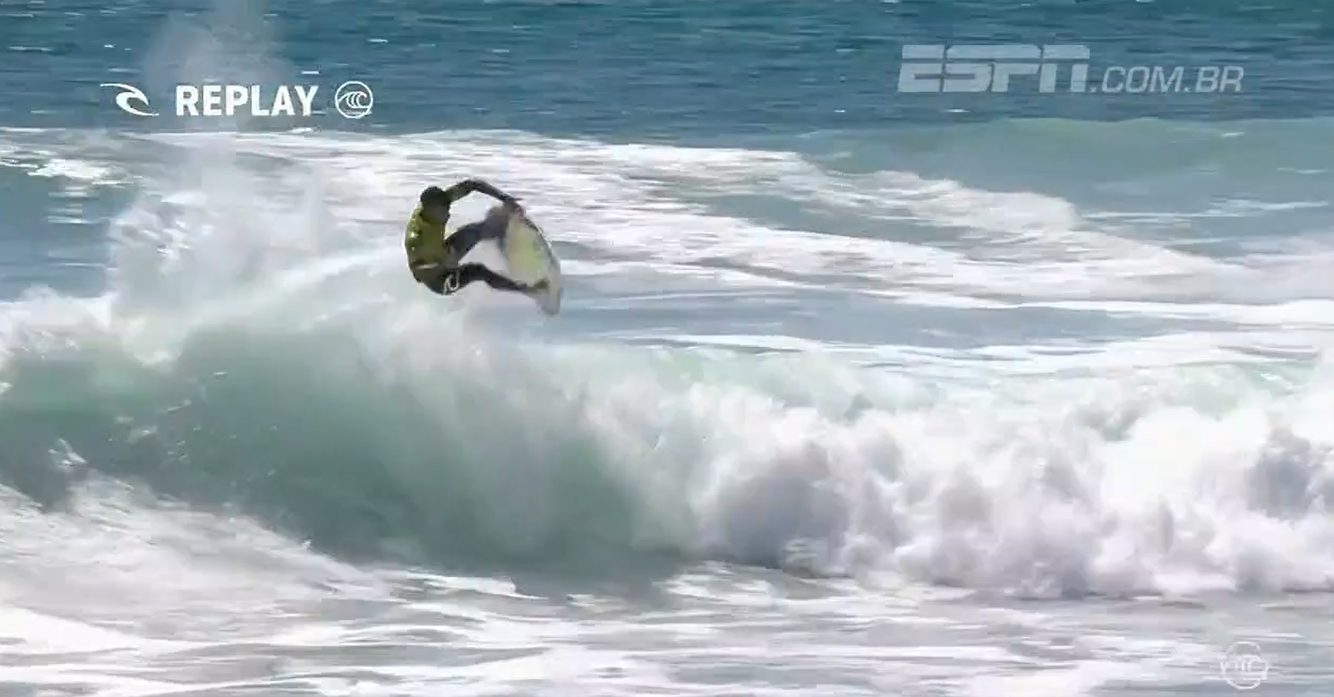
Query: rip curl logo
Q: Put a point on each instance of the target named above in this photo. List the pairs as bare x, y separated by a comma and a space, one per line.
128, 96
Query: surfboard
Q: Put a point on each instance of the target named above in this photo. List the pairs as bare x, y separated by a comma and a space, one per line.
531, 259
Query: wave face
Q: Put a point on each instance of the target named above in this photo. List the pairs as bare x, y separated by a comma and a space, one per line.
1057, 376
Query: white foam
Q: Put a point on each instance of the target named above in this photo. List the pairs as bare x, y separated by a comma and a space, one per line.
1005, 476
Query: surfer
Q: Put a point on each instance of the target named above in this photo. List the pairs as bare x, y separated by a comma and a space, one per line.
433, 255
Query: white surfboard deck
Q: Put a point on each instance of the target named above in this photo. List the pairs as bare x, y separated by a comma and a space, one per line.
531, 259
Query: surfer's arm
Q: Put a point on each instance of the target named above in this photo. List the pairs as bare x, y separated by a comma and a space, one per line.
468, 186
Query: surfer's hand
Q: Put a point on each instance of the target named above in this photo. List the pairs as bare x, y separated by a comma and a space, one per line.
511, 204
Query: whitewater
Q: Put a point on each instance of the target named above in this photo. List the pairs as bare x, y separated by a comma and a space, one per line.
828, 453
1007, 407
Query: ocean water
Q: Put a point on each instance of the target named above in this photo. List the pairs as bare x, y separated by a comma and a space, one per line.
854, 392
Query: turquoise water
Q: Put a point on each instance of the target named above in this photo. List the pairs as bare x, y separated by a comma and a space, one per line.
853, 392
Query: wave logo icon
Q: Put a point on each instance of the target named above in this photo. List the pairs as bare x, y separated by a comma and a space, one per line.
354, 99
1243, 667
128, 97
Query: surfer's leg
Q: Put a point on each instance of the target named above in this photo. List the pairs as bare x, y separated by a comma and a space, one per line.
464, 239
435, 278
467, 236
476, 272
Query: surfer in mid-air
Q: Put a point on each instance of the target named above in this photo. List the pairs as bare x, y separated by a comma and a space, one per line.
433, 254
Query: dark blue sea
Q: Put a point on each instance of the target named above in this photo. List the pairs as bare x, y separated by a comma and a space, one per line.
1019, 392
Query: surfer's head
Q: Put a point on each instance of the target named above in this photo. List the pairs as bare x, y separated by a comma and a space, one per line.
435, 203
